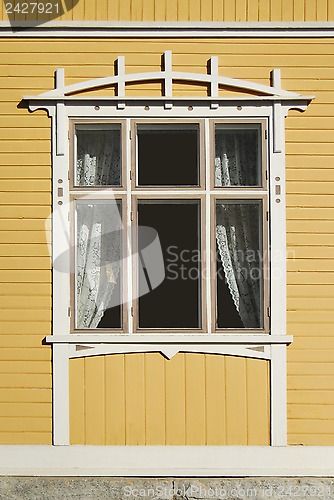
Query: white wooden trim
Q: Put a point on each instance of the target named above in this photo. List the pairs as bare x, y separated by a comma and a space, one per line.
60, 395
278, 400
167, 461
131, 29
169, 338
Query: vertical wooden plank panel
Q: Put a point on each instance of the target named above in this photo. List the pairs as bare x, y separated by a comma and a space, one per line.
160, 10
135, 399
94, 400
287, 10
322, 14
125, 10
215, 400
195, 399
102, 10
264, 10
77, 401
236, 411
115, 399
90, 10
136, 10
330, 9
113, 10
155, 399
68, 13
275, 10
310, 10
253, 10
175, 400
241, 10
171, 10
298, 10
229, 10
78, 12
195, 10
217, 10
183, 10
258, 402
148, 10
206, 10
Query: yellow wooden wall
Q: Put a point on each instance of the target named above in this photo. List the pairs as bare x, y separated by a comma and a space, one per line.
192, 399
26, 67
192, 10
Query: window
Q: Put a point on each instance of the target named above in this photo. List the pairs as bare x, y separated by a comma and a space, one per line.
174, 184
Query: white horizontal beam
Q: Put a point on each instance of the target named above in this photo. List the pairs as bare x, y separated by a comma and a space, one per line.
167, 461
187, 338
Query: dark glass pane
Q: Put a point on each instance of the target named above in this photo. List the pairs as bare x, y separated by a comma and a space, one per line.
98, 264
98, 155
239, 264
176, 303
238, 156
168, 155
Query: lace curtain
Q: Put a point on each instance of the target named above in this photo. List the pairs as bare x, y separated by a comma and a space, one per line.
237, 224
98, 157
98, 256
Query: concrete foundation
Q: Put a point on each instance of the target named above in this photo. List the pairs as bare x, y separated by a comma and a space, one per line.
51, 488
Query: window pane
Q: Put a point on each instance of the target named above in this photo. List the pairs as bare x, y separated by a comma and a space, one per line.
168, 155
239, 264
176, 303
238, 155
98, 264
98, 155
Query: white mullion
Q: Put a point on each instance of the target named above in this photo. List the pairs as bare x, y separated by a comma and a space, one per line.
207, 262
128, 225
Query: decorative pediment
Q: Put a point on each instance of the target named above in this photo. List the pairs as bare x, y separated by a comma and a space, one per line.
167, 76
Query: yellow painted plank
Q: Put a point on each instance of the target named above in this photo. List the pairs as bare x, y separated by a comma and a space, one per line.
310, 291
303, 382
137, 10
236, 401
310, 329
25, 424
310, 239
311, 316
311, 397
310, 368
33, 438
25, 367
310, 252
308, 303
311, 265
35, 276
27, 354
194, 10
298, 10
215, 400
171, 11
94, 400
102, 10
175, 400
90, 10
304, 226
35, 289
264, 10
155, 408
27, 395
78, 11
115, 400
330, 11
135, 399
229, 10
22, 236
317, 355
311, 439
37, 249
18, 410
311, 10
258, 402
195, 399
148, 10
218, 10
252, 10
77, 401
25, 380
21, 340
311, 426
206, 10
125, 10
25, 263
159, 10
19, 325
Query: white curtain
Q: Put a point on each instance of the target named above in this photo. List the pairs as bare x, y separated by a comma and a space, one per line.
98, 157
237, 225
98, 255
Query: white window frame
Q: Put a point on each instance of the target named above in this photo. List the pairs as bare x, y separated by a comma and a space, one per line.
272, 105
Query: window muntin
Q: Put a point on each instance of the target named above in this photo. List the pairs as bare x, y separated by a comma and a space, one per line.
98, 264
98, 155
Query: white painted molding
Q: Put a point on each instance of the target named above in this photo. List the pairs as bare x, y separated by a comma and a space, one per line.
180, 29
167, 461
